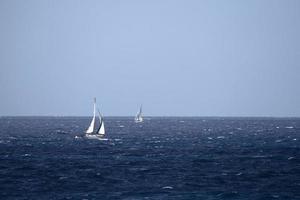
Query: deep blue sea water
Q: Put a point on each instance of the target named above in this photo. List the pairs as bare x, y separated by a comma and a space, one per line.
162, 158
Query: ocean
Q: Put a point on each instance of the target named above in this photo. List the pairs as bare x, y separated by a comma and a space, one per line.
162, 158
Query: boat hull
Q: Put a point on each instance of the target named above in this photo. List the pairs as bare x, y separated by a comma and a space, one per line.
95, 137
138, 120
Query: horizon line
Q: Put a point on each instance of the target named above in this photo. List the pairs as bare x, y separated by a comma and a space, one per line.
145, 116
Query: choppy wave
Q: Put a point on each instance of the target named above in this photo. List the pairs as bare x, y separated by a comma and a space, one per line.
164, 158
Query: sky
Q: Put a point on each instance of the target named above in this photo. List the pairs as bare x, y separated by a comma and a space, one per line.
176, 57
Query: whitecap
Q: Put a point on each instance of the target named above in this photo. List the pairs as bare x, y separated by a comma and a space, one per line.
221, 137
289, 127
60, 132
290, 158
104, 139
168, 187
121, 126
63, 177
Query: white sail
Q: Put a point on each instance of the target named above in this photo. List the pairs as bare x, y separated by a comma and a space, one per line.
92, 125
101, 130
138, 117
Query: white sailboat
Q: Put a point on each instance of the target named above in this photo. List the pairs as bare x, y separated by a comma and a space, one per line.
139, 118
91, 132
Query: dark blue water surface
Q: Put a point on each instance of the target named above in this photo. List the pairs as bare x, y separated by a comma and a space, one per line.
162, 158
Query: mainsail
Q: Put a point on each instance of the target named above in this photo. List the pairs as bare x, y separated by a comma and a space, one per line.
92, 125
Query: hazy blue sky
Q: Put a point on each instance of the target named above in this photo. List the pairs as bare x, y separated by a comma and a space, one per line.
188, 57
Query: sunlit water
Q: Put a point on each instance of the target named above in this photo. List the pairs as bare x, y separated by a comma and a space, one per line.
162, 158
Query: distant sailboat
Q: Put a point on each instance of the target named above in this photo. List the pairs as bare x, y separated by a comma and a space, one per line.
91, 132
139, 118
